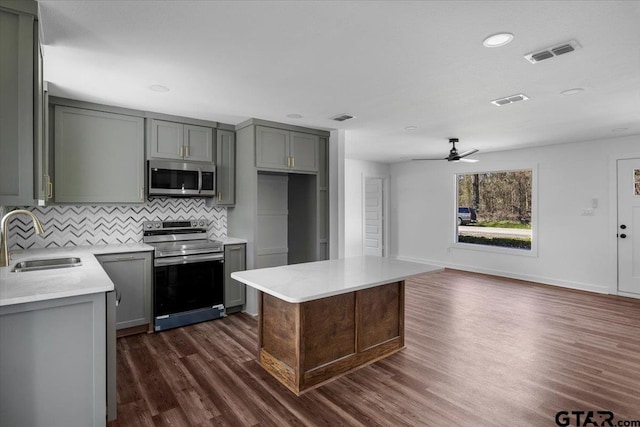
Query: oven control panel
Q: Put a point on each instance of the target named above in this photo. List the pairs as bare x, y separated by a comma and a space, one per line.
175, 225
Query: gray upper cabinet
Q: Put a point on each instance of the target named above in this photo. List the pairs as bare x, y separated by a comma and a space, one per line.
272, 148
278, 149
170, 140
18, 76
304, 151
131, 273
99, 157
234, 291
225, 168
166, 140
198, 143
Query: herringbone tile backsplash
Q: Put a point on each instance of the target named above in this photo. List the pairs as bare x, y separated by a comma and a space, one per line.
66, 225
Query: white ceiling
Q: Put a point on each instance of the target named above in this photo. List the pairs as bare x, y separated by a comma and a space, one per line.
391, 64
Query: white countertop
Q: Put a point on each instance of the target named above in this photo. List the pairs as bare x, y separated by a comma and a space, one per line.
314, 280
89, 278
230, 240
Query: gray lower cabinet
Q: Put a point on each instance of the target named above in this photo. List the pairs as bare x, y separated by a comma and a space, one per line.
53, 362
18, 95
278, 149
132, 275
234, 291
99, 157
225, 168
171, 140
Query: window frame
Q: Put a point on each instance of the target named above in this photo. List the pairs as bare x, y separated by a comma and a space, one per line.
533, 252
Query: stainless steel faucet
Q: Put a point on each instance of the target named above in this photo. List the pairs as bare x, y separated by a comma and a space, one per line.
5, 256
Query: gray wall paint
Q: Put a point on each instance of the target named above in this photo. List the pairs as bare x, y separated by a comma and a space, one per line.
71, 225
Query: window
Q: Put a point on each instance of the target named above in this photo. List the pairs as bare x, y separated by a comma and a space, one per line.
494, 209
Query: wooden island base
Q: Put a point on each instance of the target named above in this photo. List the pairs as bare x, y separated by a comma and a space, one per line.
306, 344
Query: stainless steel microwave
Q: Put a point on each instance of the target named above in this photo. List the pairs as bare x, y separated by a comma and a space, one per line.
181, 179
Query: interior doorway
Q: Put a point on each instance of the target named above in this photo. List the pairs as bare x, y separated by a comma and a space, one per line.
628, 232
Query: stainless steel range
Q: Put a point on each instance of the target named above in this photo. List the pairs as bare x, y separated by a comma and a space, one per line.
188, 273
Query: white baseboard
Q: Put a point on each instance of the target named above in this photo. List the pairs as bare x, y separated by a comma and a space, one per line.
628, 295
512, 275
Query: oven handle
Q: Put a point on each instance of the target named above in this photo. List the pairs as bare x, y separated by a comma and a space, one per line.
199, 180
187, 259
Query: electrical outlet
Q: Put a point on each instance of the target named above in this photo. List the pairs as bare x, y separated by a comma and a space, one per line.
587, 212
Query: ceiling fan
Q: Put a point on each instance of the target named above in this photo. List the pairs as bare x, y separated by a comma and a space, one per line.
454, 156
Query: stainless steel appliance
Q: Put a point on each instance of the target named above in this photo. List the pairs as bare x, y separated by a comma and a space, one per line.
183, 179
188, 273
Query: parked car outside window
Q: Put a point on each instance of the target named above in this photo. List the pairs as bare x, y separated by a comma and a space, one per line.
466, 215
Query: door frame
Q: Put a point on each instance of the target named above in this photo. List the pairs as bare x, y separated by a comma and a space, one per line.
385, 211
613, 220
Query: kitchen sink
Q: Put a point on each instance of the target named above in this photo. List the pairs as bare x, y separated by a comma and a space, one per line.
46, 264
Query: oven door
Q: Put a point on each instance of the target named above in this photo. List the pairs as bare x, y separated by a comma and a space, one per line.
187, 283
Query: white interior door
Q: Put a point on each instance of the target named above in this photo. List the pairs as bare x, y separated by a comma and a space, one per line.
629, 225
373, 217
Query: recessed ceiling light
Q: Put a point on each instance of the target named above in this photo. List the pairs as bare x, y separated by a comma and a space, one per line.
410, 128
572, 91
497, 40
159, 88
618, 130
294, 116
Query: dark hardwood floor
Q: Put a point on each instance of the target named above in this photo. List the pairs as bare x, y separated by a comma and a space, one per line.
481, 351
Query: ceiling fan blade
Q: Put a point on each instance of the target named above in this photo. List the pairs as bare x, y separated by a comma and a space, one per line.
467, 153
468, 160
441, 158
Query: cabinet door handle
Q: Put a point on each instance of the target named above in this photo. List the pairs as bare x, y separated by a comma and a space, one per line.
124, 258
181, 151
142, 194
219, 196
234, 249
288, 161
49, 187
118, 297
293, 162
186, 151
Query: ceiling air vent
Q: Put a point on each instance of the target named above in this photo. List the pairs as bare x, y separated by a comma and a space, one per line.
342, 117
509, 99
552, 52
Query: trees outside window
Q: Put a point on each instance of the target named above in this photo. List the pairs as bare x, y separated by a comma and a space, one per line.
501, 203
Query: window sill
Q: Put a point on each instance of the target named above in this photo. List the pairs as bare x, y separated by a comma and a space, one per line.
533, 252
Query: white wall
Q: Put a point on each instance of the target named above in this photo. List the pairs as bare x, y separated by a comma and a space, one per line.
336, 193
573, 250
355, 173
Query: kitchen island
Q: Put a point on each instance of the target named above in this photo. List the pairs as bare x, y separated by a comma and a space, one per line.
320, 320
